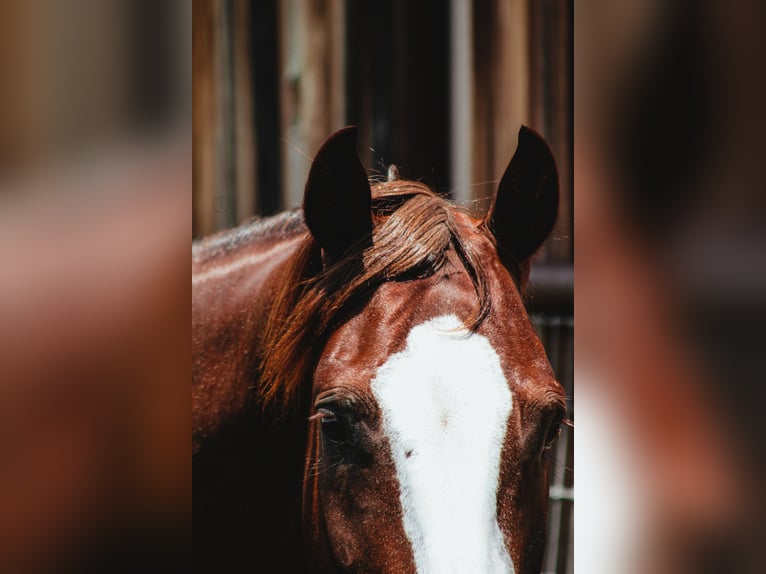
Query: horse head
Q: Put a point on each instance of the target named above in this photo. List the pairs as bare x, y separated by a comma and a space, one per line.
432, 407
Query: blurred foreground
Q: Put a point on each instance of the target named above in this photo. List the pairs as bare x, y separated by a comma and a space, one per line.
95, 204
670, 295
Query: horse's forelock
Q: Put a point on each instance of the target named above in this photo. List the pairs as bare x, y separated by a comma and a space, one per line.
414, 229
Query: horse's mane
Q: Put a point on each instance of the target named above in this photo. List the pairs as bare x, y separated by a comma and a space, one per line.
413, 230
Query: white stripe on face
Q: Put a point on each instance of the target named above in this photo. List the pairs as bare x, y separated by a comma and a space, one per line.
445, 405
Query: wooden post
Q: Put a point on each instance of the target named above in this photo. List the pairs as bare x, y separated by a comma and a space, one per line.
203, 118
225, 175
562, 248
501, 96
244, 119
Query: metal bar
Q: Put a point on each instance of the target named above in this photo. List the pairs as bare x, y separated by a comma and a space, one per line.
562, 493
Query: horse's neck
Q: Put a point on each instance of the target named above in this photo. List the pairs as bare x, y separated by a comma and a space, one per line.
231, 291
246, 471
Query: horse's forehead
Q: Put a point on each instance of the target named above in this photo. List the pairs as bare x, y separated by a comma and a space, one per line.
354, 352
363, 343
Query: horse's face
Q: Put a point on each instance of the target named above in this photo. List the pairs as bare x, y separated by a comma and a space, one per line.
429, 443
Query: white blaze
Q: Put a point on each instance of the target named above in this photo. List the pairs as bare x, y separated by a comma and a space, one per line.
445, 405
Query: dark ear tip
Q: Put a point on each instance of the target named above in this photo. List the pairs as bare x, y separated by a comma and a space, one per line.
528, 136
347, 136
341, 142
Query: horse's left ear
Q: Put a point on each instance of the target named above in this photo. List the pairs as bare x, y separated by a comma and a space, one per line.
527, 201
337, 199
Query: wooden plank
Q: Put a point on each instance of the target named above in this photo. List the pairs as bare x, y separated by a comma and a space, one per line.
244, 122
483, 67
203, 117
511, 89
501, 96
419, 129
562, 248
551, 107
264, 35
225, 175
537, 67
337, 63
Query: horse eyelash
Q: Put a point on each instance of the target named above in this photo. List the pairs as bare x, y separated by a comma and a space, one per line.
320, 415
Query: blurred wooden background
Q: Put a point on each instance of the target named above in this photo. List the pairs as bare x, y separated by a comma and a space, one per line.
439, 88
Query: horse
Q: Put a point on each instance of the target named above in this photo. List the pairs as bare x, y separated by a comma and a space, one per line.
368, 392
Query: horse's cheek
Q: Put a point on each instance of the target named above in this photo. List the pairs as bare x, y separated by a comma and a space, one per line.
363, 526
342, 541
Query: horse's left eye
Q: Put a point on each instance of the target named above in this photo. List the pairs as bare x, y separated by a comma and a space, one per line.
333, 428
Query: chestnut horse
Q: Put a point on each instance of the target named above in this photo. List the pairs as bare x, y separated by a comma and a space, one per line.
368, 392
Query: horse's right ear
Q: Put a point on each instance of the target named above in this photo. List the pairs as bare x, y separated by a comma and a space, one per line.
337, 198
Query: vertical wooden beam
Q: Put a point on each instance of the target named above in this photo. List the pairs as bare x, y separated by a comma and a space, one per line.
295, 162
267, 104
511, 88
225, 180
501, 97
337, 65
482, 185
561, 122
537, 65
203, 117
358, 74
244, 118
213, 134
550, 62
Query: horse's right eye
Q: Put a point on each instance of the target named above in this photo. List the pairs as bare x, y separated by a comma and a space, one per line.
333, 428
